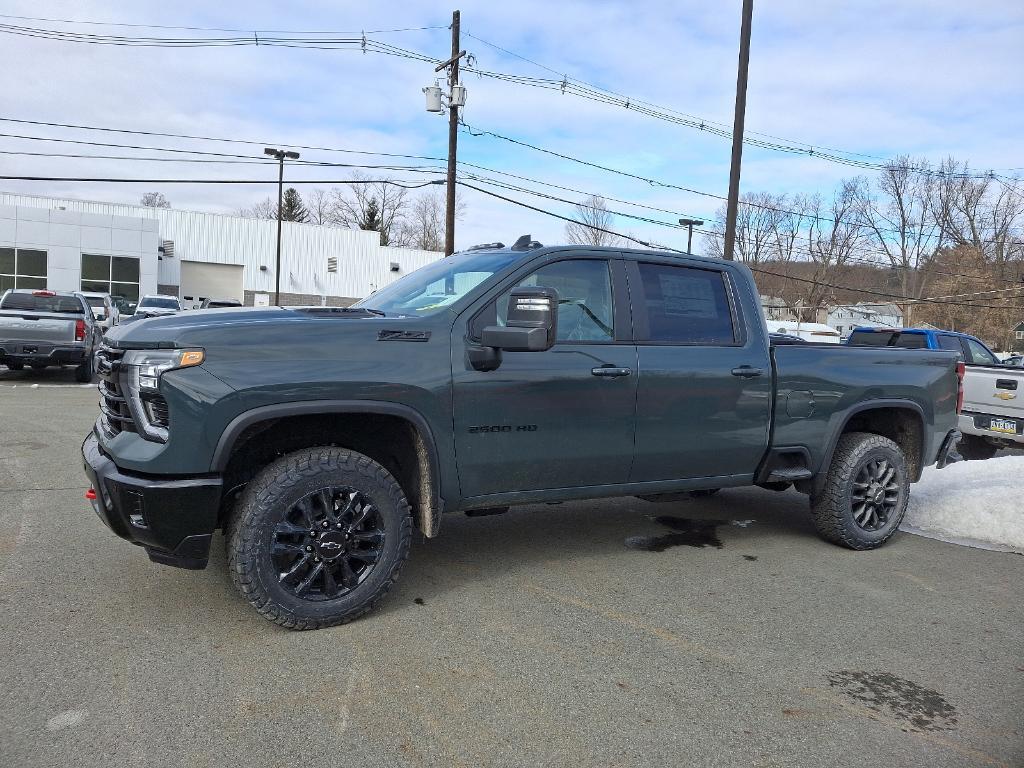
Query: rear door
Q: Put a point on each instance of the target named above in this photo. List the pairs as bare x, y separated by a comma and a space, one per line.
705, 381
556, 419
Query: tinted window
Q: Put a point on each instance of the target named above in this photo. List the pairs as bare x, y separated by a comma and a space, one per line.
952, 343
686, 305
979, 354
150, 301
584, 298
29, 301
889, 339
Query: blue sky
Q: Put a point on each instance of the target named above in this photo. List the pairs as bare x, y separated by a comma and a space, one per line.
933, 79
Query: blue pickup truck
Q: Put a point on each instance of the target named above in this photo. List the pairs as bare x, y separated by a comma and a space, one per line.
971, 349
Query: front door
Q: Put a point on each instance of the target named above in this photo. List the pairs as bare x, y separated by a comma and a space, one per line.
556, 419
705, 383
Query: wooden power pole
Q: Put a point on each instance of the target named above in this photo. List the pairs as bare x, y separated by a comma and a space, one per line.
737, 130
453, 141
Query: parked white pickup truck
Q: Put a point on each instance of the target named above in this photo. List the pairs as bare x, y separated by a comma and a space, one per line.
993, 411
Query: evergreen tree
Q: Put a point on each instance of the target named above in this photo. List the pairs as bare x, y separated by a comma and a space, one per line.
370, 219
293, 209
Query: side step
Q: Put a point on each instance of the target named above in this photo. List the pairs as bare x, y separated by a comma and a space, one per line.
789, 475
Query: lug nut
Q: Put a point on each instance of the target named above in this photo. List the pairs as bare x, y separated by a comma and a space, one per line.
309, 549
337, 525
316, 559
325, 524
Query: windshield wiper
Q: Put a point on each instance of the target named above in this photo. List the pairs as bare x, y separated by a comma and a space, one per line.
343, 311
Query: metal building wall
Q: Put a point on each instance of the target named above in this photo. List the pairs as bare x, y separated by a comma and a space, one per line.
363, 264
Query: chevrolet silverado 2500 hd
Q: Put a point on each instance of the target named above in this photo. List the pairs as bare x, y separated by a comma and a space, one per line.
318, 439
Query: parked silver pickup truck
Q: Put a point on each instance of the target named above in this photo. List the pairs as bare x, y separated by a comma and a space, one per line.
44, 328
993, 411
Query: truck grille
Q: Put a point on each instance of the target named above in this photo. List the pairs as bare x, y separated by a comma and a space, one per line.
115, 416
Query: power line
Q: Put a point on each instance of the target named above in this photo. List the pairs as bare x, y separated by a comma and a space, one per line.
759, 270
392, 182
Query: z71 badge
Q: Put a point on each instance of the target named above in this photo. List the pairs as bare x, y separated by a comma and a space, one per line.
503, 428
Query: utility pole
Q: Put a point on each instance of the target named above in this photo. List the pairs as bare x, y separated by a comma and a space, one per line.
280, 155
453, 137
690, 224
737, 130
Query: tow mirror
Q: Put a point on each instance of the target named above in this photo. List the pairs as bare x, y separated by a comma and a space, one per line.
531, 325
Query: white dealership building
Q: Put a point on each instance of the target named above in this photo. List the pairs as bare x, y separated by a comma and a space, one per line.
131, 250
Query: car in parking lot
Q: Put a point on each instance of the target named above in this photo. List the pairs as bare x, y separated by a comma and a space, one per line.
46, 328
219, 303
155, 305
104, 309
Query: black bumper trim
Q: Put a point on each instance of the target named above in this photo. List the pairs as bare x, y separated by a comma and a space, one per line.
173, 518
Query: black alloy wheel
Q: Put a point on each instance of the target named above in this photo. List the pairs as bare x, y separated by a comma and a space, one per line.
328, 543
875, 494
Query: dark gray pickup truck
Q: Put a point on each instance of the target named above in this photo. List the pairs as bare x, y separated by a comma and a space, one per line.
319, 439
45, 328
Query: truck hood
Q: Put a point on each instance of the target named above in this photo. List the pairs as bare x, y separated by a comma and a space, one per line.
247, 326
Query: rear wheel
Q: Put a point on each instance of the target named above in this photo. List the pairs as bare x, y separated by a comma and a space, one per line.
974, 448
14, 366
318, 538
865, 493
83, 373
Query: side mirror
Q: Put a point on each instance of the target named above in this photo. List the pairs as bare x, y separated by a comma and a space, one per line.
532, 323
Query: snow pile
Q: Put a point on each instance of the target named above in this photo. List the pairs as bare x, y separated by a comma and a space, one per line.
977, 503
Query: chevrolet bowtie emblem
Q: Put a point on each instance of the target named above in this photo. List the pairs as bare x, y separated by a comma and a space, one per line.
1005, 395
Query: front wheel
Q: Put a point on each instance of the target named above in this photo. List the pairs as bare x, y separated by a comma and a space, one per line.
318, 538
865, 493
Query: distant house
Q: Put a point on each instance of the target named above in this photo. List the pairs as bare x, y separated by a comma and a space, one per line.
1017, 338
845, 317
775, 308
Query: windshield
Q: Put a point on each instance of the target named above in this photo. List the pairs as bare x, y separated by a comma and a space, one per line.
436, 286
155, 301
95, 302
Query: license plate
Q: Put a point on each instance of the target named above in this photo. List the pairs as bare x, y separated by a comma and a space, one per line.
1007, 426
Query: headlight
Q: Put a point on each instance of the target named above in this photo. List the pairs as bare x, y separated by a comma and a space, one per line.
142, 369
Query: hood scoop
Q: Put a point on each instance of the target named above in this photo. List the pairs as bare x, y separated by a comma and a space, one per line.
403, 336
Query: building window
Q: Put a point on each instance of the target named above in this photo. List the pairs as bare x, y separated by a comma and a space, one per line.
22, 268
1020, 335
116, 275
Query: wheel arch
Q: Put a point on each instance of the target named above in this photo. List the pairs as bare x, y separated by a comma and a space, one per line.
421, 483
902, 421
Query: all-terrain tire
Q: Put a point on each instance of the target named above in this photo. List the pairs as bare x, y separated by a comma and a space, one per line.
833, 505
974, 448
83, 373
273, 494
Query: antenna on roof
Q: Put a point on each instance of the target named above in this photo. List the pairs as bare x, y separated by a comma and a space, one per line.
526, 243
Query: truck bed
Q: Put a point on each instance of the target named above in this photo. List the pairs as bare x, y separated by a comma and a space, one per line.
994, 402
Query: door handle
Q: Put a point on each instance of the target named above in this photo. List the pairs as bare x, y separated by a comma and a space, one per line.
1006, 384
747, 372
610, 371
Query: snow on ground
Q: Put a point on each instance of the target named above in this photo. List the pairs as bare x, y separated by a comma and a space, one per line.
977, 503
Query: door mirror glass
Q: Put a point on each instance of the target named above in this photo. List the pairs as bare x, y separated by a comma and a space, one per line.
531, 324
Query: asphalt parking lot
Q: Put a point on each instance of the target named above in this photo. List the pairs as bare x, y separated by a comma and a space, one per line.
712, 632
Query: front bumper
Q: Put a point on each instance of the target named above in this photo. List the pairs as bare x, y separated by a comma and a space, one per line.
28, 352
173, 518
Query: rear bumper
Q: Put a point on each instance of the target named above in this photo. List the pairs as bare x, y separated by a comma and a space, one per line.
173, 518
968, 424
28, 351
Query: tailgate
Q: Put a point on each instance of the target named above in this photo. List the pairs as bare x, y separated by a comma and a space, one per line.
995, 391
37, 326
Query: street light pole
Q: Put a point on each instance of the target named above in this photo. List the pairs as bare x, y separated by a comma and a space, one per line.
690, 224
737, 131
280, 155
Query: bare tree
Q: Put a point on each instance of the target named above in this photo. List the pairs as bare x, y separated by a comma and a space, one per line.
264, 209
593, 220
423, 226
767, 228
350, 205
155, 200
319, 208
834, 237
898, 213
